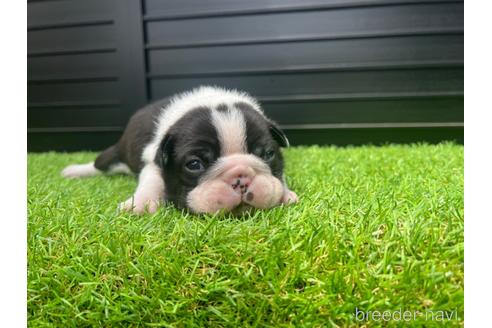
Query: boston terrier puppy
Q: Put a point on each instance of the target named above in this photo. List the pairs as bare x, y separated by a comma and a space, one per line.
207, 150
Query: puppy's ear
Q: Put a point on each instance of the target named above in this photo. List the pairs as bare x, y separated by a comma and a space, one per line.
278, 135
164, 152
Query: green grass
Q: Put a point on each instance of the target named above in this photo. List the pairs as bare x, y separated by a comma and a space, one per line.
377, 228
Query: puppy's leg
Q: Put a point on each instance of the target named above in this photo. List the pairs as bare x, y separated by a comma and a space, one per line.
289, 196
107, 162
80, 170
149, 193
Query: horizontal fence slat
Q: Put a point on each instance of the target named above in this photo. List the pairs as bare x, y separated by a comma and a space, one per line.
344, 137
307, 38
73, 129
72, 104
325, 84
71, 39
335, 53
80, 51
70, 79
427, 111
350, 97
325, 126
72, 66
402, 110
330, 68
56, 14
69, 141
176, 9
67, 117
78, 91
333, 24
74, 24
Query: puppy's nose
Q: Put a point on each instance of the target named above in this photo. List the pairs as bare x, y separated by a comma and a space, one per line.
240, 178
241, 183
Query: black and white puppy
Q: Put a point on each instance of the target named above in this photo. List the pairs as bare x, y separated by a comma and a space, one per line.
206, 150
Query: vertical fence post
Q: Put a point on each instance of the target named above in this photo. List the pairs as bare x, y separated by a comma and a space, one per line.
131, 55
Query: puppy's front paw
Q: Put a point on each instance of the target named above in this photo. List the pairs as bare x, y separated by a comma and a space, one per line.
264, 192
289, 197
139, 205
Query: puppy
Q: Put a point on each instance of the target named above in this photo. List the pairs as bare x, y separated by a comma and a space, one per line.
206, 150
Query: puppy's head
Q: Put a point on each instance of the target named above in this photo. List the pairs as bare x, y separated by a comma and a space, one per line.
223, 158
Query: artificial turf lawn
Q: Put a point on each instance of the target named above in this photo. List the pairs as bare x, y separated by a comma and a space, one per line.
377, 228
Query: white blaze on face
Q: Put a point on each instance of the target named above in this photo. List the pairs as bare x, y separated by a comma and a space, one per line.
231, 130
181, 104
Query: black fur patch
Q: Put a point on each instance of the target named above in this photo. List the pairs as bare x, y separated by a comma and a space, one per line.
193, 136
259, 139
222, 108
277, 134
138, 133
107, 158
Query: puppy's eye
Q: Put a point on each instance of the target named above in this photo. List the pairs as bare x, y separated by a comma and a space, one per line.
268, 155
195, 165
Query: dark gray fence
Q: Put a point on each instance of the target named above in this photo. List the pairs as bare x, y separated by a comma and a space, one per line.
330, 72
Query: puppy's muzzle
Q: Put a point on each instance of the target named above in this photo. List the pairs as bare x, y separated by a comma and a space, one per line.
236, 180
240, 178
